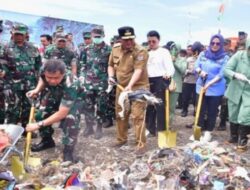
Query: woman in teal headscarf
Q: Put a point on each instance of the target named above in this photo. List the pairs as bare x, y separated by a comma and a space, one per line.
238, 94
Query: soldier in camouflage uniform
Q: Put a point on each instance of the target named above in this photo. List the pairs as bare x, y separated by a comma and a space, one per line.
2, 103
22, 66
94, 64
60, 51
87, 40
59, 104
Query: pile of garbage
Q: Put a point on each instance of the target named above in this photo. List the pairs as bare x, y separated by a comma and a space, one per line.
195, 166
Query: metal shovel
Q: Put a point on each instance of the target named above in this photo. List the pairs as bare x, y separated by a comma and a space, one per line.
197, 129
167, 138
27, 159
18, 166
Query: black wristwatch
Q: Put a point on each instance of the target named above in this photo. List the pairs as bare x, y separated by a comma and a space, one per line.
40, 124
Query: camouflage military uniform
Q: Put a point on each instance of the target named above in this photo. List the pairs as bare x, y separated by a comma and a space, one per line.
2, 102
64, 54
81, 47
22, 67
64, 94
93, 67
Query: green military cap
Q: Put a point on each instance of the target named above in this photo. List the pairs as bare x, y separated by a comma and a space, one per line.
59, 29
86, 35
20, 29
60, 36
98, 31
126, 32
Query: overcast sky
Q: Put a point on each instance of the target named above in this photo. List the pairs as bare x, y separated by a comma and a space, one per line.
183, 21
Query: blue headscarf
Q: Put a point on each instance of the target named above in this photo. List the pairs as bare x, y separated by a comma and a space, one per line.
218, 54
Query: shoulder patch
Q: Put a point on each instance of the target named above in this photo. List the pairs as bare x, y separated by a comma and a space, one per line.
117, 45
140, 57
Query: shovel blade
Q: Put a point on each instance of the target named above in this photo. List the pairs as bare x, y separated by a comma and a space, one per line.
17, 167
197, 133
171, 140
162, 139
167, 139
34, 162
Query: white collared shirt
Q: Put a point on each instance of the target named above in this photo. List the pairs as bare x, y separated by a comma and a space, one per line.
160, 63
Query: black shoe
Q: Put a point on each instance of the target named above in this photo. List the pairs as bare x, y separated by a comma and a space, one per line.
88, 131
221, 128
98, 133
43, 145
242, 141
184, 114
234, 134
178, 107
107, 124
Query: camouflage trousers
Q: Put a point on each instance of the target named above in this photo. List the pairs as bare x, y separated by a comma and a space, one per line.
2, 105
95, 106
70, 125
18, 108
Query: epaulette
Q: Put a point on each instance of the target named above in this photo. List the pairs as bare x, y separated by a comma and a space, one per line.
117, 45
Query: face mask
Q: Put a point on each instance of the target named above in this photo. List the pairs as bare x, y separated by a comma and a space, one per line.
97, 40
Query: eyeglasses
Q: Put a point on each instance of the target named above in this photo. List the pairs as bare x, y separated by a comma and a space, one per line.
151, 41
215, 43
86, 38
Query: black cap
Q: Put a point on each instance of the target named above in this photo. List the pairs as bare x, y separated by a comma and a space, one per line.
197, 46
126, 32
241, 33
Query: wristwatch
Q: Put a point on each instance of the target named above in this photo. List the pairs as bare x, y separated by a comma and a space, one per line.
40, 124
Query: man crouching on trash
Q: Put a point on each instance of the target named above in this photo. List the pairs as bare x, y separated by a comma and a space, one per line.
59, 103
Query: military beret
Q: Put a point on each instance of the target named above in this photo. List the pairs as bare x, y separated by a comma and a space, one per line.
98, 31
86, 34
126, 32
60, 36
20, 29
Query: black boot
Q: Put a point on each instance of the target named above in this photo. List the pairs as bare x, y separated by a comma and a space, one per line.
45, 143
98, 132
89, 129
242, 141
184, 113
233, 133
68, 153
108, 123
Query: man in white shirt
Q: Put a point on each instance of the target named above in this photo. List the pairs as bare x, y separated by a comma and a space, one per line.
160, 68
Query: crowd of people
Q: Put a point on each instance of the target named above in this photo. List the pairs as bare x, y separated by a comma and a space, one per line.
70, 81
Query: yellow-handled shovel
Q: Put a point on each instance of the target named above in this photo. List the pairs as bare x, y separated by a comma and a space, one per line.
27, 159
167, 139
197, 129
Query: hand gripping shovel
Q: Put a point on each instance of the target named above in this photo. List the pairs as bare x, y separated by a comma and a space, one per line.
167, 138
197, 129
